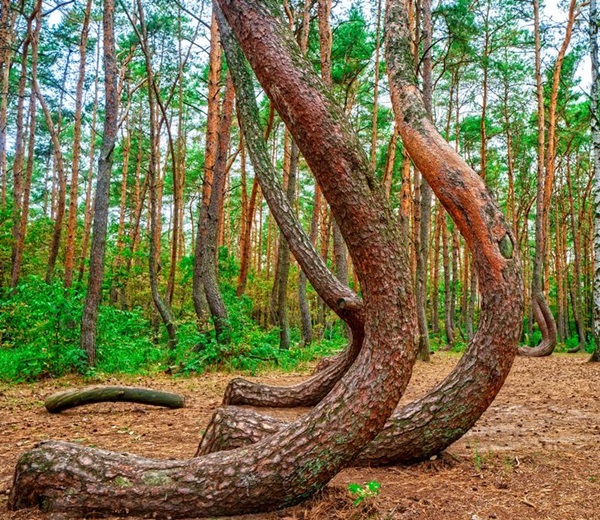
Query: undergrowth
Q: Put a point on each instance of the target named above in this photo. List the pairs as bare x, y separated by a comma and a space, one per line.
40, 334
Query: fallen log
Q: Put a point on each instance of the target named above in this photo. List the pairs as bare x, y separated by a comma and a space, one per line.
60, 401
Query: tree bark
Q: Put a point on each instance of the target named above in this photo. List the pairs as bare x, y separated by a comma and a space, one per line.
448, 292
595, 116
24, 217
576, 234
7, 21
546, 167
248, 211
294, 463
109, 137
87, 222
117, 275
19, 154
72, 220
210, 217
20, 226
283, 257
425, 194
61, 176
337, 296
430, 424
154, 187
212, 138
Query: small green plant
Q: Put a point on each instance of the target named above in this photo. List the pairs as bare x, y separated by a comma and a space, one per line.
360, 493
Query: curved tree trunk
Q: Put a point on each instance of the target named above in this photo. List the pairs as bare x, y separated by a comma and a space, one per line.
109, 137
308, 393
294, 463
62, 401
337, 295
430, 424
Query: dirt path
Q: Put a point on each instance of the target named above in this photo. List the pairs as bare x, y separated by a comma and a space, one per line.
534, 455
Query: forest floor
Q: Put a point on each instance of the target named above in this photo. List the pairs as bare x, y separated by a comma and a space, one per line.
535, 454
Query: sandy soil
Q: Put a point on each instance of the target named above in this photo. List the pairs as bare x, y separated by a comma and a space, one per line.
535, 454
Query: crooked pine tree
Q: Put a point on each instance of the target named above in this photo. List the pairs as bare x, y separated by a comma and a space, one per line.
430, 424
300, 458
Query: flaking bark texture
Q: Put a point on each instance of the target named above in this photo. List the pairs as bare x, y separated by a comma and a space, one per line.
297, 461
337, 295
430, 424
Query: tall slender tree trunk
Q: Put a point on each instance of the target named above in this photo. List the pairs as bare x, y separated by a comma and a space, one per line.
283, 258
19, 156
210, 217
72, 220
87, 219
60, 184
248, 211
7, 20
109, 137
117, 278
22, 224
22, 192
155, 189
212, 139
449, 327
325, 44
305, 316
595, 113
376, 89
576, 235
435, 274
425, 194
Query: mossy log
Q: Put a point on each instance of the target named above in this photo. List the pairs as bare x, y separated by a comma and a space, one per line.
60, 401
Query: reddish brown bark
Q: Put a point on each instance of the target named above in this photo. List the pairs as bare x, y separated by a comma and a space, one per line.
20, 226
210, 216
72, 219
545, 183
301, 459
431, 423
19, 156
212, 138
